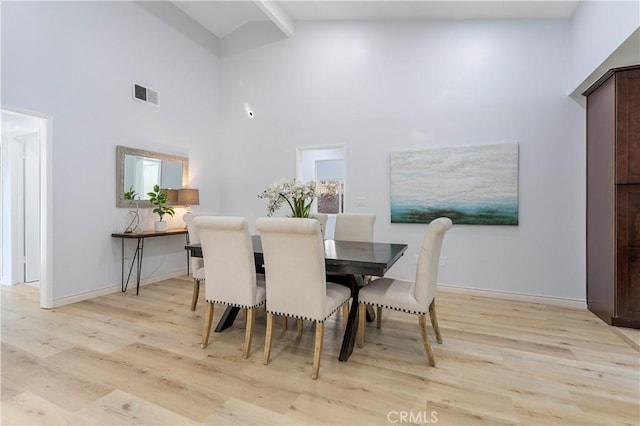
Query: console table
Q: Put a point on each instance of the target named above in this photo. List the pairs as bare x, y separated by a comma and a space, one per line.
137, 256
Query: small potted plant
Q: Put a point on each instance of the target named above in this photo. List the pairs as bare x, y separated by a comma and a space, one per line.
131, 194
159, 199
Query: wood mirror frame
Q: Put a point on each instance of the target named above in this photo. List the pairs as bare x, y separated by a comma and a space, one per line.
122, 152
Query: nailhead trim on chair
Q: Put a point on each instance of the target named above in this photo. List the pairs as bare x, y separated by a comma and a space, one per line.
306, 318
396, 309
235, 304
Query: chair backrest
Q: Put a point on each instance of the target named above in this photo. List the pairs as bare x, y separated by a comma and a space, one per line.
322, 218
426, 282
354, 227
294, 266
229, 265
196, 262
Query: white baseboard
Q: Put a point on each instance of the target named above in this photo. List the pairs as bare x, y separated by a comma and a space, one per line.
114, 288
520, 297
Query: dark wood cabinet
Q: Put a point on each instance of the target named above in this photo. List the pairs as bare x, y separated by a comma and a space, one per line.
613, 197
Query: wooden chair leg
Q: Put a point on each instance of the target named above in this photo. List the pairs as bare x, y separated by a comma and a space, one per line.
379, 317
299, 326
206, 327
196, 292
434, 320
422, 320
285, 323
362, 319
248, 332
345, 314
267, 339
317, 352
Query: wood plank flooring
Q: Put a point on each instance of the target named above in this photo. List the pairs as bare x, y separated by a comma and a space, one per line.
122, 359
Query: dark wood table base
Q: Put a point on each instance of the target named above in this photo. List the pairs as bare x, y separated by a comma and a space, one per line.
227, 319
354, 282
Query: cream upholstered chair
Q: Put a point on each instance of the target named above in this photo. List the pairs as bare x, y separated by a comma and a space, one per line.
229, 270
322, 218
197, 264
295, 277
416, 297
354, 227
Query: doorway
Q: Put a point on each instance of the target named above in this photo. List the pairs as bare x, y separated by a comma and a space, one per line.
23, 195
326, 166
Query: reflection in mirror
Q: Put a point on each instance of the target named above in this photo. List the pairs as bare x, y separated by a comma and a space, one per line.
142, 173
139, 171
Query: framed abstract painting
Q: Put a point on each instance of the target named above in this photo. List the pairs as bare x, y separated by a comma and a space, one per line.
473, 185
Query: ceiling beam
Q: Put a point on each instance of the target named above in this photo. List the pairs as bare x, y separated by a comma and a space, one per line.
278, 16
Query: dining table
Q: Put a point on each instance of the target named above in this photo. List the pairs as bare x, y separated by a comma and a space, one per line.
346, 263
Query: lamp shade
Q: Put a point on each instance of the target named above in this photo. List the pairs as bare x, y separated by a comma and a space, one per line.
188, 197
172, 196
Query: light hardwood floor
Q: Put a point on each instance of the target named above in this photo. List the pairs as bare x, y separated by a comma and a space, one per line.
122, 359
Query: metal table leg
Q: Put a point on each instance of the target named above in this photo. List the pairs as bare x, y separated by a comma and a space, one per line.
139, 251
137, 260
123, 287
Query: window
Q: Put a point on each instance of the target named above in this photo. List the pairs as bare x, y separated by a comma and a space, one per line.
330, 177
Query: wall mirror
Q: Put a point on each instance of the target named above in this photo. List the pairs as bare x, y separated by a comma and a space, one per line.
140, 170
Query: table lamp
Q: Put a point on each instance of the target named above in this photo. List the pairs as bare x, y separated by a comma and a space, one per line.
188, 197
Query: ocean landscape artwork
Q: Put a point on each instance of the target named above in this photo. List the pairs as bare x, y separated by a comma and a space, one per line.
472, 185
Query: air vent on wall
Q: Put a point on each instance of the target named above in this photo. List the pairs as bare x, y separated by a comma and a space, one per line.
144, 94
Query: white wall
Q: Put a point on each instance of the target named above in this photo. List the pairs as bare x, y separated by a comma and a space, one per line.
374, 87
76, 61
379, 87
598, 29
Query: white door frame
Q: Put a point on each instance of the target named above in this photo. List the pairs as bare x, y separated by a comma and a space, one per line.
31, 205
46, 206
301, 149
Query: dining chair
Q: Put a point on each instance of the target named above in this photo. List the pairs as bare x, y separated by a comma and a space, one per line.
417, 297
229, 270
295, 277
354, 227
322, 218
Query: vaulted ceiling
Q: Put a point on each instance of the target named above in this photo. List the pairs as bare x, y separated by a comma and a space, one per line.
223, 17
